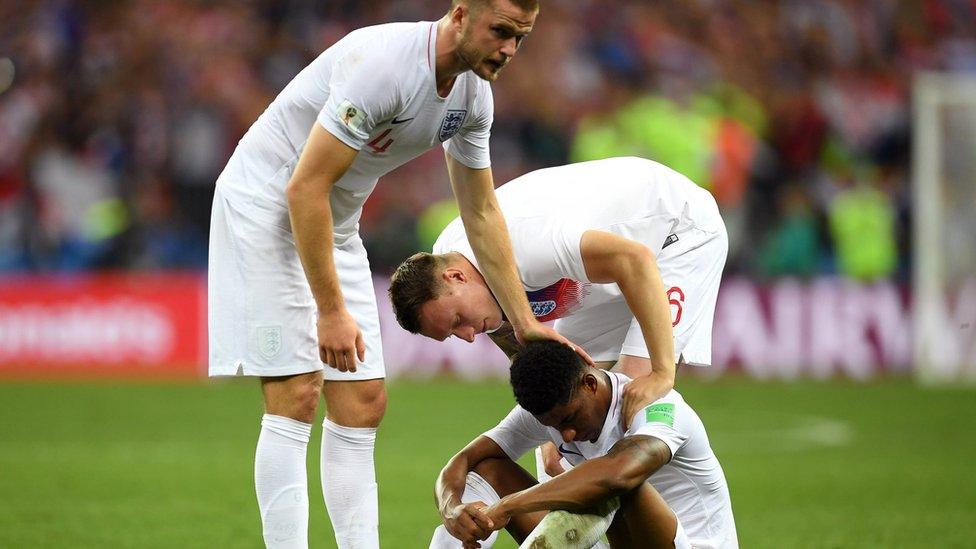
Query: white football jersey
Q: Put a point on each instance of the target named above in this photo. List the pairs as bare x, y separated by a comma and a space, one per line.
376, 91
692, 483
548, 210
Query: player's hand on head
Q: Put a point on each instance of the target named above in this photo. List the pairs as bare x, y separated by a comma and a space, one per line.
340, 340
539, 331
642, 392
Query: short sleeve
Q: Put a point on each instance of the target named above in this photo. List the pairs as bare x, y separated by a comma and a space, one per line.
662, 420
548, 250
363, 92
454, 239
566, 244
470, 145
518, 433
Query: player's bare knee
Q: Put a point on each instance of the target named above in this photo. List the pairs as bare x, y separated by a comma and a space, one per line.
306, 400
504, 475
489, 469
356, 403
372, 400
296, 397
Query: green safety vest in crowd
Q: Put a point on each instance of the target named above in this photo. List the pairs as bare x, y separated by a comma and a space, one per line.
862, 223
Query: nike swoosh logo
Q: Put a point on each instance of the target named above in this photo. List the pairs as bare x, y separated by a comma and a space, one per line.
395, 121
564, 450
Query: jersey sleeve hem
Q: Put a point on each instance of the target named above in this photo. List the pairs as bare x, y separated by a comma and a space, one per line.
570, 238
340, 132
673, 440
511, 452
472, 162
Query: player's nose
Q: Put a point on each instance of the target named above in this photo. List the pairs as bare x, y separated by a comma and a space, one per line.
509, 47
466, 334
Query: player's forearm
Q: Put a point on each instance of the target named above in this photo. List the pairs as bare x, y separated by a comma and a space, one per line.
643, 290
492, 246
487, 233
578, 489
504, 339
453, 477
628, 463
450, 484
311, 222
610, 258
451, 481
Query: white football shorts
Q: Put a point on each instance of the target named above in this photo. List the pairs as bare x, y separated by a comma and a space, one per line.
691, 267
261, 312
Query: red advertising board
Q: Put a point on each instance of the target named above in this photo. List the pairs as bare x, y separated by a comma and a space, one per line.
154, 325
117, 325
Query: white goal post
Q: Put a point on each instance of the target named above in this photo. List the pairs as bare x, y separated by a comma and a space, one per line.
944, 227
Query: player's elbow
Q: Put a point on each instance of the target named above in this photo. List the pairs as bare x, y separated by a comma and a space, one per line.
638, 257
627, 474
631, 265
618, 484
295, 190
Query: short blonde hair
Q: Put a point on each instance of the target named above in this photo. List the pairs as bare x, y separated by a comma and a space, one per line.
527, 5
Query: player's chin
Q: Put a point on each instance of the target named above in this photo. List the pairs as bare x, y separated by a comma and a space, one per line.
488, 71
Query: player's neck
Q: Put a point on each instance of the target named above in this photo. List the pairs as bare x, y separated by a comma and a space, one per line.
604, 393
447, 63
472, 272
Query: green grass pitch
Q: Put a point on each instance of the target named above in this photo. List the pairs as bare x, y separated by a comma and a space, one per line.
809, 464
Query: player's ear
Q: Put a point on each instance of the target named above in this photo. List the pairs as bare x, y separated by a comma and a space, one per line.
459, 12
453, 274
590, 382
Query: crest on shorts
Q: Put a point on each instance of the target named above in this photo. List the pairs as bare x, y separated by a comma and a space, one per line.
452, 123
269, 341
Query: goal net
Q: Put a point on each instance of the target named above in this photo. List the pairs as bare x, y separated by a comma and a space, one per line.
944, 219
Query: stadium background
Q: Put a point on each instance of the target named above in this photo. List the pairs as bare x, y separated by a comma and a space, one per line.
116, 117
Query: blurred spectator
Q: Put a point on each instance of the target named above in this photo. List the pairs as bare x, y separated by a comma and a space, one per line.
80, 214
792, 247
862, 223
116, 117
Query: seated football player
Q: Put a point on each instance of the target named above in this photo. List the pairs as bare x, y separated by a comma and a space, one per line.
660, 471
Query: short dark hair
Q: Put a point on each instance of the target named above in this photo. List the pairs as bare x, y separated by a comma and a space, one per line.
414, 283
545, 374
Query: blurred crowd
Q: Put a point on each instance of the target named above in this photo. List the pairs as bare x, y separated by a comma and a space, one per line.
116, 117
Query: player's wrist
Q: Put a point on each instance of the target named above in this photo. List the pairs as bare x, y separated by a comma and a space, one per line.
504, 509
450, 508
524, 325
663, 379
331, 308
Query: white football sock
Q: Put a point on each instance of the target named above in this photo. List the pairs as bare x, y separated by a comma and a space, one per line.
476, 488
349, 485
540, 470
281, 481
